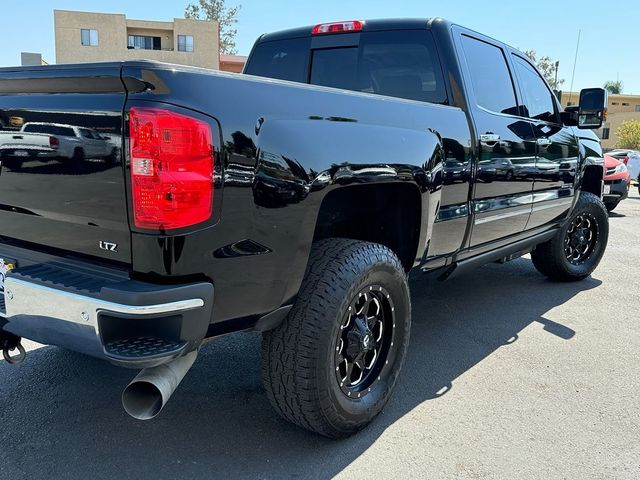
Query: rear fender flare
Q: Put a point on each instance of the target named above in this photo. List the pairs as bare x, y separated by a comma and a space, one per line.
305, 159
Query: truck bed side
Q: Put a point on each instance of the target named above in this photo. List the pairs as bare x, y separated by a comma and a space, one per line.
287, 149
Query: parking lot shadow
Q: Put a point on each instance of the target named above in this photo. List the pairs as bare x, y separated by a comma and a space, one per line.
61, 413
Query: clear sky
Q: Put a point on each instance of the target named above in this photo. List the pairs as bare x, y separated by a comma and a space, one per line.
609, 45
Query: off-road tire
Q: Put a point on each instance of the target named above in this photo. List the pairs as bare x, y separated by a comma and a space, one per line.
112, 159
298, 363
78, 159
550, 259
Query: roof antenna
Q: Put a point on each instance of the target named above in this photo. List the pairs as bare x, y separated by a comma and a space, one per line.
575, 60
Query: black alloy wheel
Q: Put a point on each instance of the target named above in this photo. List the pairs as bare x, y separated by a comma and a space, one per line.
576, 250
364, 341
581, 238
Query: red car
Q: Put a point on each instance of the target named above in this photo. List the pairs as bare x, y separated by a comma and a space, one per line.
616, 182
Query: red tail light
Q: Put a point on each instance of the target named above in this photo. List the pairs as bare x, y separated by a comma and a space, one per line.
54, 142
337, 27
171, 169
626, 159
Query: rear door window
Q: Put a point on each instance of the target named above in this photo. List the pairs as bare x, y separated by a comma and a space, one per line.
65, 132
401, 64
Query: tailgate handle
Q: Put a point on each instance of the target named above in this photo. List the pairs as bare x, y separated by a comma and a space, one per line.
18, 137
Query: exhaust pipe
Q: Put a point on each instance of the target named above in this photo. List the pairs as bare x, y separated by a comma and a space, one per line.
149, 392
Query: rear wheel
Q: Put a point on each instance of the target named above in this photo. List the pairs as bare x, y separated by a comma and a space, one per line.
78, 159
13, 163
575, 252
112, 158
332, 365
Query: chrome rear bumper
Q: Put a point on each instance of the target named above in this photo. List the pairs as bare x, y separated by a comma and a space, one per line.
129, 323
24, 298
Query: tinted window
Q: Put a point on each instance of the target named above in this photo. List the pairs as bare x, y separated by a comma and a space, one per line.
282, 59
400, 64
49, 129
538, 100
490, 78
145, 42
397, 63
65, 132
337, 67
34, 128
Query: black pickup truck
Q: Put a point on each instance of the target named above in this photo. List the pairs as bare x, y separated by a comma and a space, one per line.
293, 200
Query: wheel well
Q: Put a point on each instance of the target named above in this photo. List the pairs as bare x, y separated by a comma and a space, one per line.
592, 179
388, 214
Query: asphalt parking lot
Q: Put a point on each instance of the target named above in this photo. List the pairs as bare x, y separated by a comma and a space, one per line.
509, 376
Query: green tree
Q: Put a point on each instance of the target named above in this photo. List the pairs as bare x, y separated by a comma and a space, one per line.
613, 86
547, 67
629, 135
227, 17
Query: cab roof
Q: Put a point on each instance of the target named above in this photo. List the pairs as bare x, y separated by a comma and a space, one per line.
369, 26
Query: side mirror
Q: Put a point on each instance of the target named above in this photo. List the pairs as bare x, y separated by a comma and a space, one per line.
592, 110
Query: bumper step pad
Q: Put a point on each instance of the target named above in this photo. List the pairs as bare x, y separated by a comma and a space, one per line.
140, 348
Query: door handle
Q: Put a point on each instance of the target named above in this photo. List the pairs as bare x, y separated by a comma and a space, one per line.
489, 138
543, 141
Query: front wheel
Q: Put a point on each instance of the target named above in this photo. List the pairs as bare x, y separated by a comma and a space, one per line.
333, 363
575, 252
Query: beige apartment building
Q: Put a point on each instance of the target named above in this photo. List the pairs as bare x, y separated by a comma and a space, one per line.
621, 108
94, 37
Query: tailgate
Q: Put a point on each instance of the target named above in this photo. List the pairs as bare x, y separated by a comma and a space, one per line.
25, 142
71, 197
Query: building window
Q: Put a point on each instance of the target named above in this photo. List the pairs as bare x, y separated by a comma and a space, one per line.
89, 37
185, 43
637, 108
625, 104
614, 103
605, 133
144, 42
